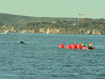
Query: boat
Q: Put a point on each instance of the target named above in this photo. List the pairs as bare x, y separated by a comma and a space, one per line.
6, 32
48, 31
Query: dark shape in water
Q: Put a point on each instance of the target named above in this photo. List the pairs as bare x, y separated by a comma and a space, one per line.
21, 42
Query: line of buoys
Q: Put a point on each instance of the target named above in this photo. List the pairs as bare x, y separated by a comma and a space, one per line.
73, 46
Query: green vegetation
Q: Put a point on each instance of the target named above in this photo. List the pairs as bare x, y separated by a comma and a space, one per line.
56, 25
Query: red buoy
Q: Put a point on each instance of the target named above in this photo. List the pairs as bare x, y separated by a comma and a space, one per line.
79, 46
85, 47
68, 47
61, 46
74, 46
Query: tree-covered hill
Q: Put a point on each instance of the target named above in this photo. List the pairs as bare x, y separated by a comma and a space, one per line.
18, 23
10, 18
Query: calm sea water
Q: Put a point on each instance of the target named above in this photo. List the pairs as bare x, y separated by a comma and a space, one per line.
40, 57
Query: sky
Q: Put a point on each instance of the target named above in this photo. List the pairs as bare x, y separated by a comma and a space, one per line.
54, 8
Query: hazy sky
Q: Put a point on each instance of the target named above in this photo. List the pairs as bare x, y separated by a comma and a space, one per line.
54, 8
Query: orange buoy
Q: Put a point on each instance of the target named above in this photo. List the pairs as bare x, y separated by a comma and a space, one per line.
85, 47
61, 46
68, 47
79, 46
74, 46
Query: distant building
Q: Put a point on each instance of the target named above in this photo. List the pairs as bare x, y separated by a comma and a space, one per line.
75, 21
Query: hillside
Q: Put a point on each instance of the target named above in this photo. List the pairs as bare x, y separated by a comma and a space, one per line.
10, 18
19, 23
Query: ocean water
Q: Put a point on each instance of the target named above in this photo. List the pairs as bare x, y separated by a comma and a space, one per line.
41, 58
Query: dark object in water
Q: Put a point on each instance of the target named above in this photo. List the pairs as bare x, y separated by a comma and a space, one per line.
90, 47
21, 42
